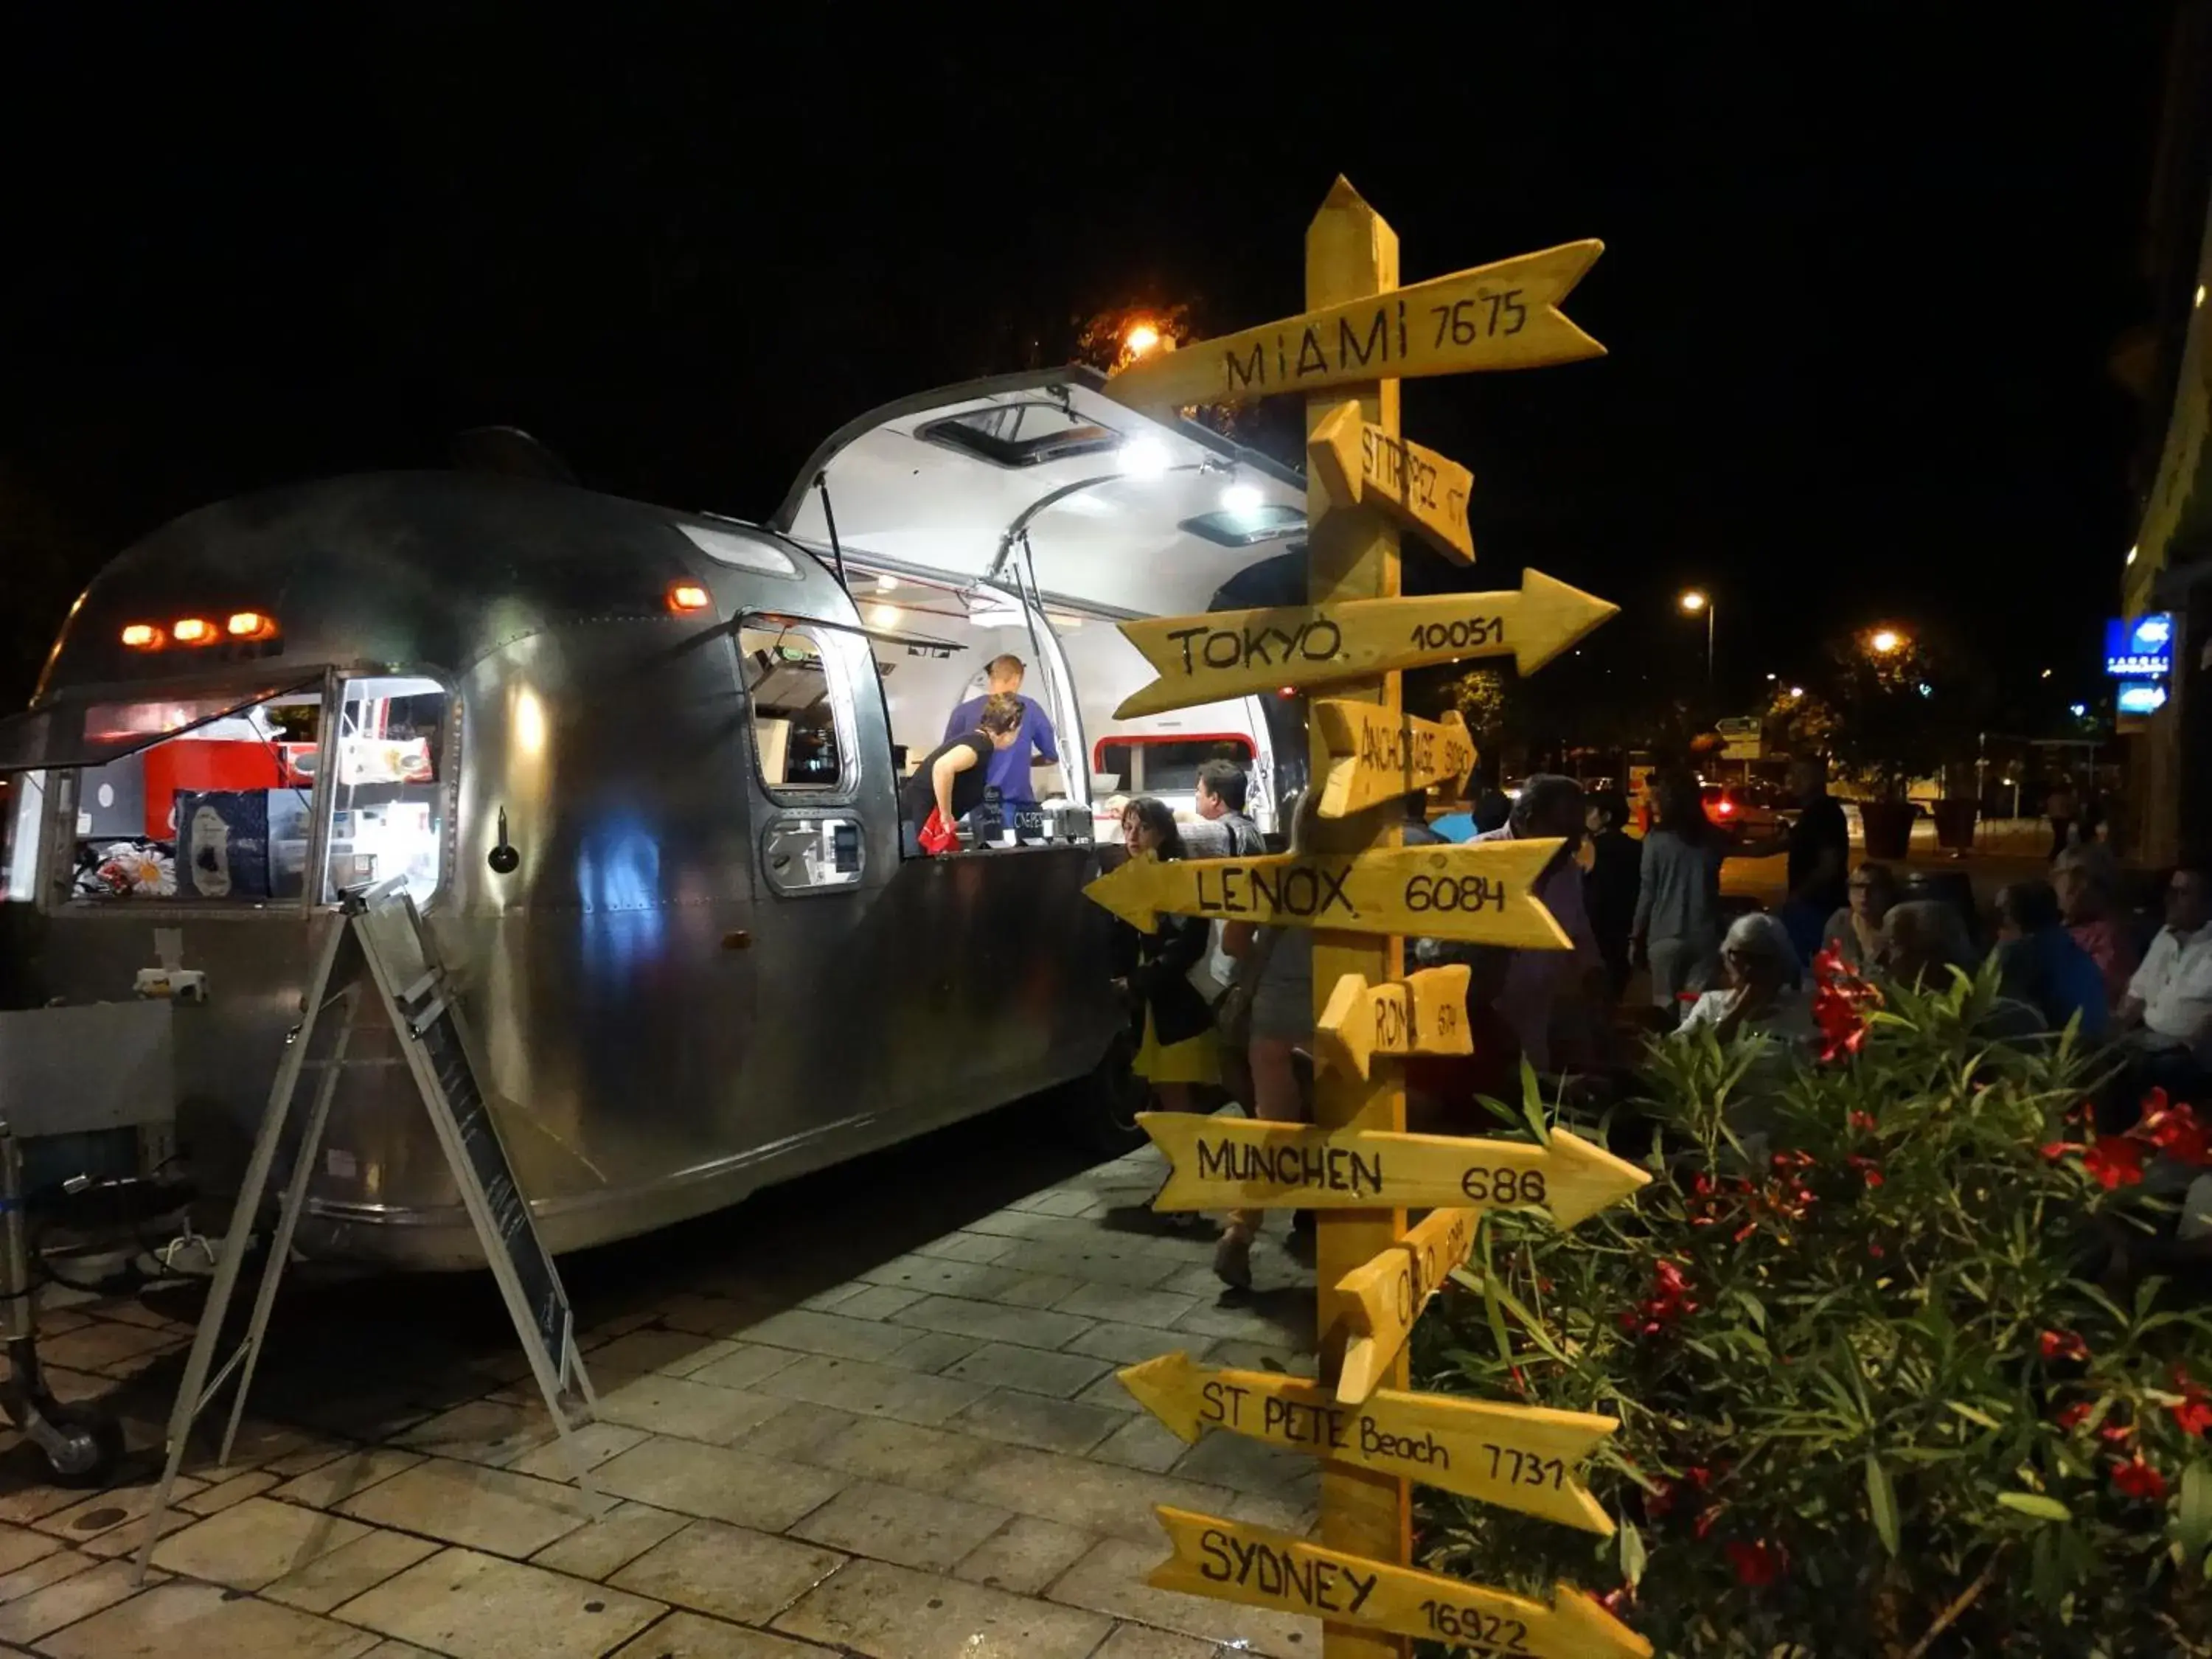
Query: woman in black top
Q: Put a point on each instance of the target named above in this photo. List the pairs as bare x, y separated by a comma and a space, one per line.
1177, 1054
954, 777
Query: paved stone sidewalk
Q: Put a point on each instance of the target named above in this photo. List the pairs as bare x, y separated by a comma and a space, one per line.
929, 1457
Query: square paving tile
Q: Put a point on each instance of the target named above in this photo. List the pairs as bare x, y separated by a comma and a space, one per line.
990, 1323
493, 1431
966, 1247
691, 1636
254, 1543
707, 1315
1028, 1419
829, 1333
1107, 1394
20, 1546
481, 1509
1244, 1465
1111, 1579
331, 1485
931, 1351
201, 1619
1080, 1493
743, 1364
672, 1353
224, 1493
719, 1484
877, 1301
1035, 1290
1157, 1310
349, 1570
854, 1385
937, 1275
1142, 1642
1142, 1443
1029, 1371
730, 1572
101, 1343
795, 1432
1024, 1555
1056, 1200
677, 1406
615, 1539
594, 1443
93, 1517
898, 1523
1136, 1270
48, 1569
83, 1592
929, 1460
480, 1606
895, 1613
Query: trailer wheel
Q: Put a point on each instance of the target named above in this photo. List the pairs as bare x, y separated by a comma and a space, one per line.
1098, 1110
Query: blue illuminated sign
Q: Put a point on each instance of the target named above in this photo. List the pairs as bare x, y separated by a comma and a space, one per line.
2141, 697
2142, 649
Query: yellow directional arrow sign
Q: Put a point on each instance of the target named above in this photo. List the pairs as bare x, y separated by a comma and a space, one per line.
1378, 755
1518, 1457
1359, 463
1423, 1013
1232, 1561
1388, 1293
1231, 1164
1232, 653
1505, 315
1473, 892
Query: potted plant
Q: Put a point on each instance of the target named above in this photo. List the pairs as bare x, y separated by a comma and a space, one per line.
1880, 1393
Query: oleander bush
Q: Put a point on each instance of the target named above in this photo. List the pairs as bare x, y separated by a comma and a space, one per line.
1892, 1390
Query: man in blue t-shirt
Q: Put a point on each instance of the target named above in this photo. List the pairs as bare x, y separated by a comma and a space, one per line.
1009, 767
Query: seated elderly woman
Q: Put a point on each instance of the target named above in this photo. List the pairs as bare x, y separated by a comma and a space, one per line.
2085, 879
2041, 963
1855, 932
1764, 1003
1923, 939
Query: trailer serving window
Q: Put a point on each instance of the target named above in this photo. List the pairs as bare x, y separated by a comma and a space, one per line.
802, 717
388, 802
201, 797
1165, 764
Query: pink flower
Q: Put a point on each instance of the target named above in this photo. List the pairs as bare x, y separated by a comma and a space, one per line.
2137, 1478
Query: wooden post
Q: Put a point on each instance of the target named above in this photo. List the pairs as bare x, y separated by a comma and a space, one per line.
1351, 254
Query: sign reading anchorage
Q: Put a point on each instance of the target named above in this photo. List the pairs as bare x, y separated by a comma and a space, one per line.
1361, 892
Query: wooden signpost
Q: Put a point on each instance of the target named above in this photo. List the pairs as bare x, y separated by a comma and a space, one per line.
1374, 758
1389, 1292
1233, 654
1423, 1013
1237, 1562
1230, 1162
1474, 893
1361, 464
1362, 892
1518, 1457
1505, 315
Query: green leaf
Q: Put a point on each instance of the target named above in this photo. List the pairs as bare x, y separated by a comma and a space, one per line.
2036, 1505
1973, 1416
2193, 1525
1633, 1559
1882, 1501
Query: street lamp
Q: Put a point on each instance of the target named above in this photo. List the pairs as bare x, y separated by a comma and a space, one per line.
1693, 601
1140, 338
1884, 641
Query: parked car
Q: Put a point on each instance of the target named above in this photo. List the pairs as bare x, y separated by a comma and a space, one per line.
1747, 809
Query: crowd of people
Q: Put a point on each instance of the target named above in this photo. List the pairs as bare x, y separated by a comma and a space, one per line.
1228, 1009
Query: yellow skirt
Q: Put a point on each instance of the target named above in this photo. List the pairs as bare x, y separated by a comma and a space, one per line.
1194, 1060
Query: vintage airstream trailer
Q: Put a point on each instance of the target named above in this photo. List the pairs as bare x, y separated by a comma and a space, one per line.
639, 768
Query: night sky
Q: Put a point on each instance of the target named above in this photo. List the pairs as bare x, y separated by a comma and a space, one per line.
1860, 288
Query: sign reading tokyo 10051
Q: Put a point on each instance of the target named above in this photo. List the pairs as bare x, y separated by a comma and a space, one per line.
1504, 315
1477, 894
1232, 653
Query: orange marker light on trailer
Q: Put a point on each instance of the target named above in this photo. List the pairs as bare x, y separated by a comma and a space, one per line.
193, 630
145, 636
250, 625
687, 596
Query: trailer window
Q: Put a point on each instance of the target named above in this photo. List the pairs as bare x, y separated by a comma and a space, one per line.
219, 813
799, 742
388, 802
1166, 764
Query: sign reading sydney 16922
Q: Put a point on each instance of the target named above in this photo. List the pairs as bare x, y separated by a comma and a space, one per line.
2140, 648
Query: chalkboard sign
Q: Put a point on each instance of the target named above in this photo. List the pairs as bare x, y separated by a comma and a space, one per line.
510, 1211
